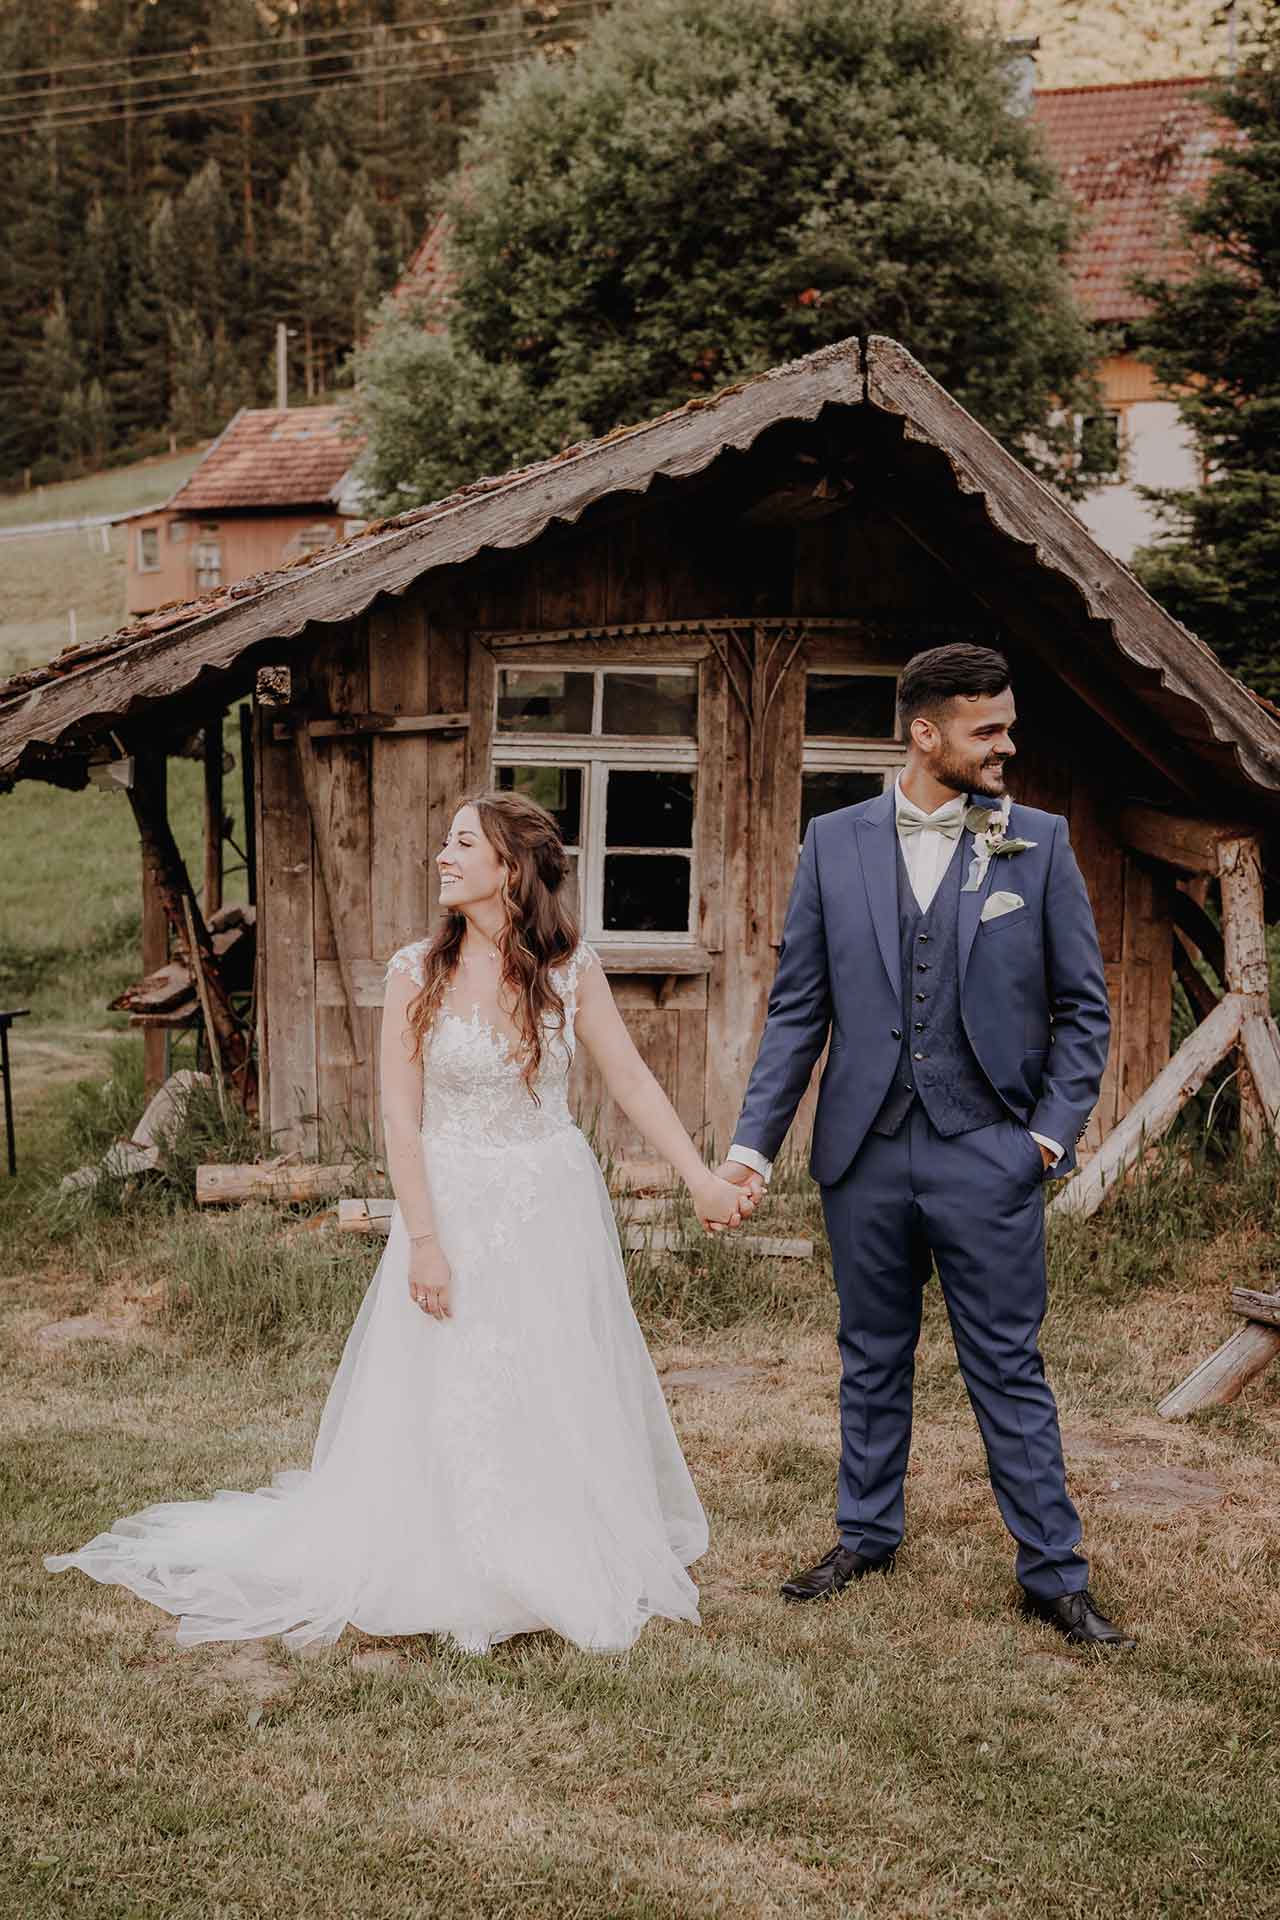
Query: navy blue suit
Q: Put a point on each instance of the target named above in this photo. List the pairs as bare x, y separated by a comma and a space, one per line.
938, 1067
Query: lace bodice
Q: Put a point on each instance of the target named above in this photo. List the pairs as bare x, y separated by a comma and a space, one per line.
473, 1093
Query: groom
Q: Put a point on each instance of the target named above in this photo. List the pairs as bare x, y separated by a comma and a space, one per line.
944, 939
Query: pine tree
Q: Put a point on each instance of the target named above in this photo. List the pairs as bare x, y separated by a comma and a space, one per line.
1215, 340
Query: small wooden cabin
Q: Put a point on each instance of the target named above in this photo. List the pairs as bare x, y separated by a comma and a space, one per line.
684, 639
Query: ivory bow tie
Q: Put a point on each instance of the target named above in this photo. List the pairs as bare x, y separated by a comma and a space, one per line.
951, 824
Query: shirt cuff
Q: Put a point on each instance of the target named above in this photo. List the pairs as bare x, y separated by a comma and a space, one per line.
748, 1157
1054, 1146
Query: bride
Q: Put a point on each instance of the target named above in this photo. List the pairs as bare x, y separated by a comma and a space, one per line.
495, 1454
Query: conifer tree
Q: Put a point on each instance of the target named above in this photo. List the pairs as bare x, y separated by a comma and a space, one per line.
1215, 340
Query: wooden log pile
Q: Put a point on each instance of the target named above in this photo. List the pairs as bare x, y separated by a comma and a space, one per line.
169, 995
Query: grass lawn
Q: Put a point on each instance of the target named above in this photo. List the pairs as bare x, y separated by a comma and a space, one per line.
912, 1750
46, 577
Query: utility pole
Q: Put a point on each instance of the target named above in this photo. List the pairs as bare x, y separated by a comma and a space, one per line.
282, 364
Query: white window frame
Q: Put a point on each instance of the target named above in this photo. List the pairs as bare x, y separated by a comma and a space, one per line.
145, 565
595, 754
832, 753
208, 541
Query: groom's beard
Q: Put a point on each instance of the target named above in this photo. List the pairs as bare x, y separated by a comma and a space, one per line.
985, 775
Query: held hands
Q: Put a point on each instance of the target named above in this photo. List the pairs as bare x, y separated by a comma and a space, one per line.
430, 1279
728, 1196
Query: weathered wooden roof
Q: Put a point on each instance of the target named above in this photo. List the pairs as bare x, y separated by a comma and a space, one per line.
1004, 531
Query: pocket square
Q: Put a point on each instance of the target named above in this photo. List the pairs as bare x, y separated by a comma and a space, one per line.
997, 903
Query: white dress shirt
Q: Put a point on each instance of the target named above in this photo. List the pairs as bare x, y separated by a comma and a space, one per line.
926, 857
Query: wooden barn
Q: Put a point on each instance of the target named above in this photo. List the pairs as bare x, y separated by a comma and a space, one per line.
684, 639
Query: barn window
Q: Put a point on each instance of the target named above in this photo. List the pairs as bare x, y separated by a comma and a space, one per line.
612, 753
148, 549
206, 557
851, 744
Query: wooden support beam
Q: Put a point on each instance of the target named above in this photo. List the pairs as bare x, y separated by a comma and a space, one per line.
1190, 918
1217, 1380
329, 874
168, 875
212, 815
1260, 1043
150, 781
1197, 989
1244, 943
345, 725
250, 803
1191, 845
1151, 1117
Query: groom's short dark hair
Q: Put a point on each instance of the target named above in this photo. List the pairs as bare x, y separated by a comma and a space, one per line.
929, 680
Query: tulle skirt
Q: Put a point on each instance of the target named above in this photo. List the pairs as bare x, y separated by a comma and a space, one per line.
511, 1469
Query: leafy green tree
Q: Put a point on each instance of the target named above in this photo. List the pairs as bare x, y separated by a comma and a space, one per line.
435, 410
1215, 340
713, 186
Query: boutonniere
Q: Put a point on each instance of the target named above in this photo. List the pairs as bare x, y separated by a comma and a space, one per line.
990, 829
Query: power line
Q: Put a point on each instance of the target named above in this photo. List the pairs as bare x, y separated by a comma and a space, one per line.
547, 8
411, 71
59, 110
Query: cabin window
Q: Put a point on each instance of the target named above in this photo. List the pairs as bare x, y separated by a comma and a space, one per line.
148, 549
177, 531
857, 705
851, 745
206, 557
612, 753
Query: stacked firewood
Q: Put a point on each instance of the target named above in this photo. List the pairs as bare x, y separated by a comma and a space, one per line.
169, 997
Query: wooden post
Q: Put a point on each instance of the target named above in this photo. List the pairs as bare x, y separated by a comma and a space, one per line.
150, 771
250, 801
1244, 942
212, 816
329, 875
1154, 1113
168, 876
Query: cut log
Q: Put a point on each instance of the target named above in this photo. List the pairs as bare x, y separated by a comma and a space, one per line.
646, 1239
226, 1185
374, 1216
1217, 1380
1152, 1116
1256, 1306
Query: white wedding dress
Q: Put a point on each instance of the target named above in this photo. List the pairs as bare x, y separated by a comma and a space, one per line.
508, 1469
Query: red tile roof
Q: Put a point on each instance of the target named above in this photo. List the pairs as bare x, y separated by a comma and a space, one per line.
428, 281
271, 457
1128, 154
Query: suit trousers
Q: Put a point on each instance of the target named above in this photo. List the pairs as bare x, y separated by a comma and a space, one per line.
972, 1203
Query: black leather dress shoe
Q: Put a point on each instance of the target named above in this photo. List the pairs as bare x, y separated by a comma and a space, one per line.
832, 1574
1077, 1618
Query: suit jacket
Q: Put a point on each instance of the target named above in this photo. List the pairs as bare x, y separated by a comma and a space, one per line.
1033, 993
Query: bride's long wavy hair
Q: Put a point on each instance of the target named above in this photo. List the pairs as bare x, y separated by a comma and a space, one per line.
540, 930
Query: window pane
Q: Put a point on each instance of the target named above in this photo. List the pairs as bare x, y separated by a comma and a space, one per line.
650, 809
850, 706
558, 789
824, 792
646, 893
534, 700
651, 703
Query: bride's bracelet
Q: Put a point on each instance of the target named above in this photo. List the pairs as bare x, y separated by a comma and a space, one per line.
415, 1237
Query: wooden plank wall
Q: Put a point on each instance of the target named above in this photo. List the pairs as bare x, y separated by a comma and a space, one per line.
390, 798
